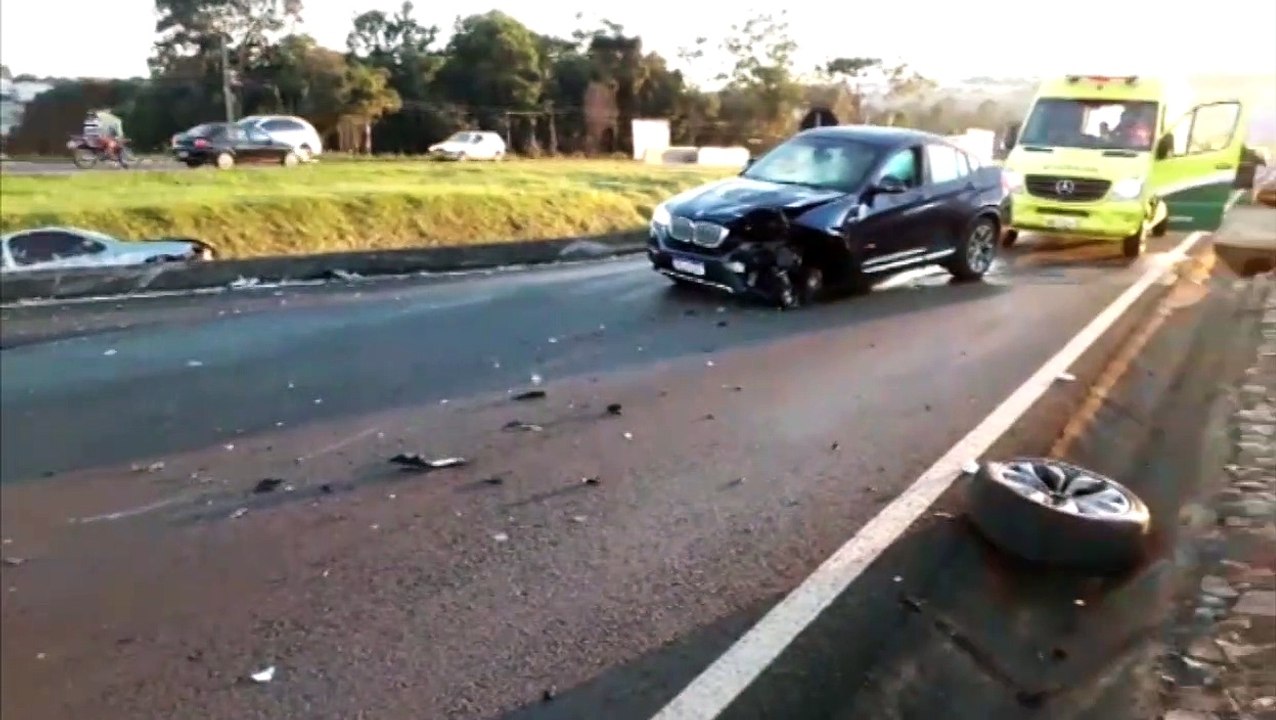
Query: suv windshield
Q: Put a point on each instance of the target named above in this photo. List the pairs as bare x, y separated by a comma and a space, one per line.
1101, 124
834, 163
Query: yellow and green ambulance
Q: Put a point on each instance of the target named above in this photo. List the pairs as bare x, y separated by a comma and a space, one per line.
1122, 158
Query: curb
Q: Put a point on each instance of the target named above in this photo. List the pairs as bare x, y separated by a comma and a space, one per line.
105, 282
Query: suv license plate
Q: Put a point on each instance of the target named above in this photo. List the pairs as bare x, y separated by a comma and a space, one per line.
690, 267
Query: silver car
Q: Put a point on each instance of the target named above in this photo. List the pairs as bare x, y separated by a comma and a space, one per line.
50, 248
290, 130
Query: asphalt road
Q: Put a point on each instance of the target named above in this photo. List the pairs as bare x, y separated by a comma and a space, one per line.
26, 167
750, 444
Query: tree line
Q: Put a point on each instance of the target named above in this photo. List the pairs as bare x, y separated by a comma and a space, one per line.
398, 87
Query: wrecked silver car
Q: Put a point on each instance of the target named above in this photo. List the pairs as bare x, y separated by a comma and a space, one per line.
59, 248
834, 207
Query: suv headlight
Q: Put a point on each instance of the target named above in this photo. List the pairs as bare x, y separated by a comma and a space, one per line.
1127, 189
660, 216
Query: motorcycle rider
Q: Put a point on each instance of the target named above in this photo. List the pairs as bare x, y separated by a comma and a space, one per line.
103, 130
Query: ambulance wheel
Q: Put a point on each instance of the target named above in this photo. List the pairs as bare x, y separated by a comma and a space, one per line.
1132, 246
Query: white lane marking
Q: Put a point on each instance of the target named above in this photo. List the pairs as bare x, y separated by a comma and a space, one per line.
133, 512
714, 689
343, 442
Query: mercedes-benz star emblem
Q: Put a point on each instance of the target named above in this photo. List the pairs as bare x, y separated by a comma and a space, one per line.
1065, 187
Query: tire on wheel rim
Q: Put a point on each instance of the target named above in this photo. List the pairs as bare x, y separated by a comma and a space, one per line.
304, 154
84, 158
977, 250
1051, 512
290, 159
225, 161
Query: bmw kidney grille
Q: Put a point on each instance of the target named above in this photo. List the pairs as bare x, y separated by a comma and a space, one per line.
704, 234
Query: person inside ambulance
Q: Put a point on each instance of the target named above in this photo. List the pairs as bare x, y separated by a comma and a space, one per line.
1135, 128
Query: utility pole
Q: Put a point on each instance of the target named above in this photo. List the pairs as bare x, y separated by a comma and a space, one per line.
226, 96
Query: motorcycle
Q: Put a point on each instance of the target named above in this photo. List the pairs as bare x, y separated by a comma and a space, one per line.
87, 154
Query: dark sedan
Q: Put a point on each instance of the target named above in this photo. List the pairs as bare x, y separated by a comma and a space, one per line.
834, 207
225, 144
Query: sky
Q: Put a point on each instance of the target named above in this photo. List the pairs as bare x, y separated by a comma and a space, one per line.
943, 40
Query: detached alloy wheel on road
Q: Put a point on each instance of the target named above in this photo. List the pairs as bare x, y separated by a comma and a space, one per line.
1054, 513
977, 250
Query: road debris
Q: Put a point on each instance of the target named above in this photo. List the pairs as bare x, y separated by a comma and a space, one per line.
194, 363
500, 537
614, 409
970, 467
267, 485
239, 513
153, 467
627, 435
243, 282
494, 480
530, 395
264, 675
14, 561
414, 461
723, 323
591, 480
834, 446
1066, 377
550, 693
579, 519
520, 425
109, 352
537, 379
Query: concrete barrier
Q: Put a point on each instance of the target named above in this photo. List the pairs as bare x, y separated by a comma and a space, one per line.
978, 142
98, 282
735, 157
675, 155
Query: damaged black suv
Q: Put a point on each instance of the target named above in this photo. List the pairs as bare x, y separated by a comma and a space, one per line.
834, 207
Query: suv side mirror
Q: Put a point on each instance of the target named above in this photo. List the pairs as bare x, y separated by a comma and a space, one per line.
889, 185
1164, 146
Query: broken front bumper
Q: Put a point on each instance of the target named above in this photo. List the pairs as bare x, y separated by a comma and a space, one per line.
745, 270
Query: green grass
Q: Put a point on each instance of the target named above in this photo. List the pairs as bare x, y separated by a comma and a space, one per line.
352, 206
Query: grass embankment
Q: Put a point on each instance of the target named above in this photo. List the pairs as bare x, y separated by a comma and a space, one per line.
352, 206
